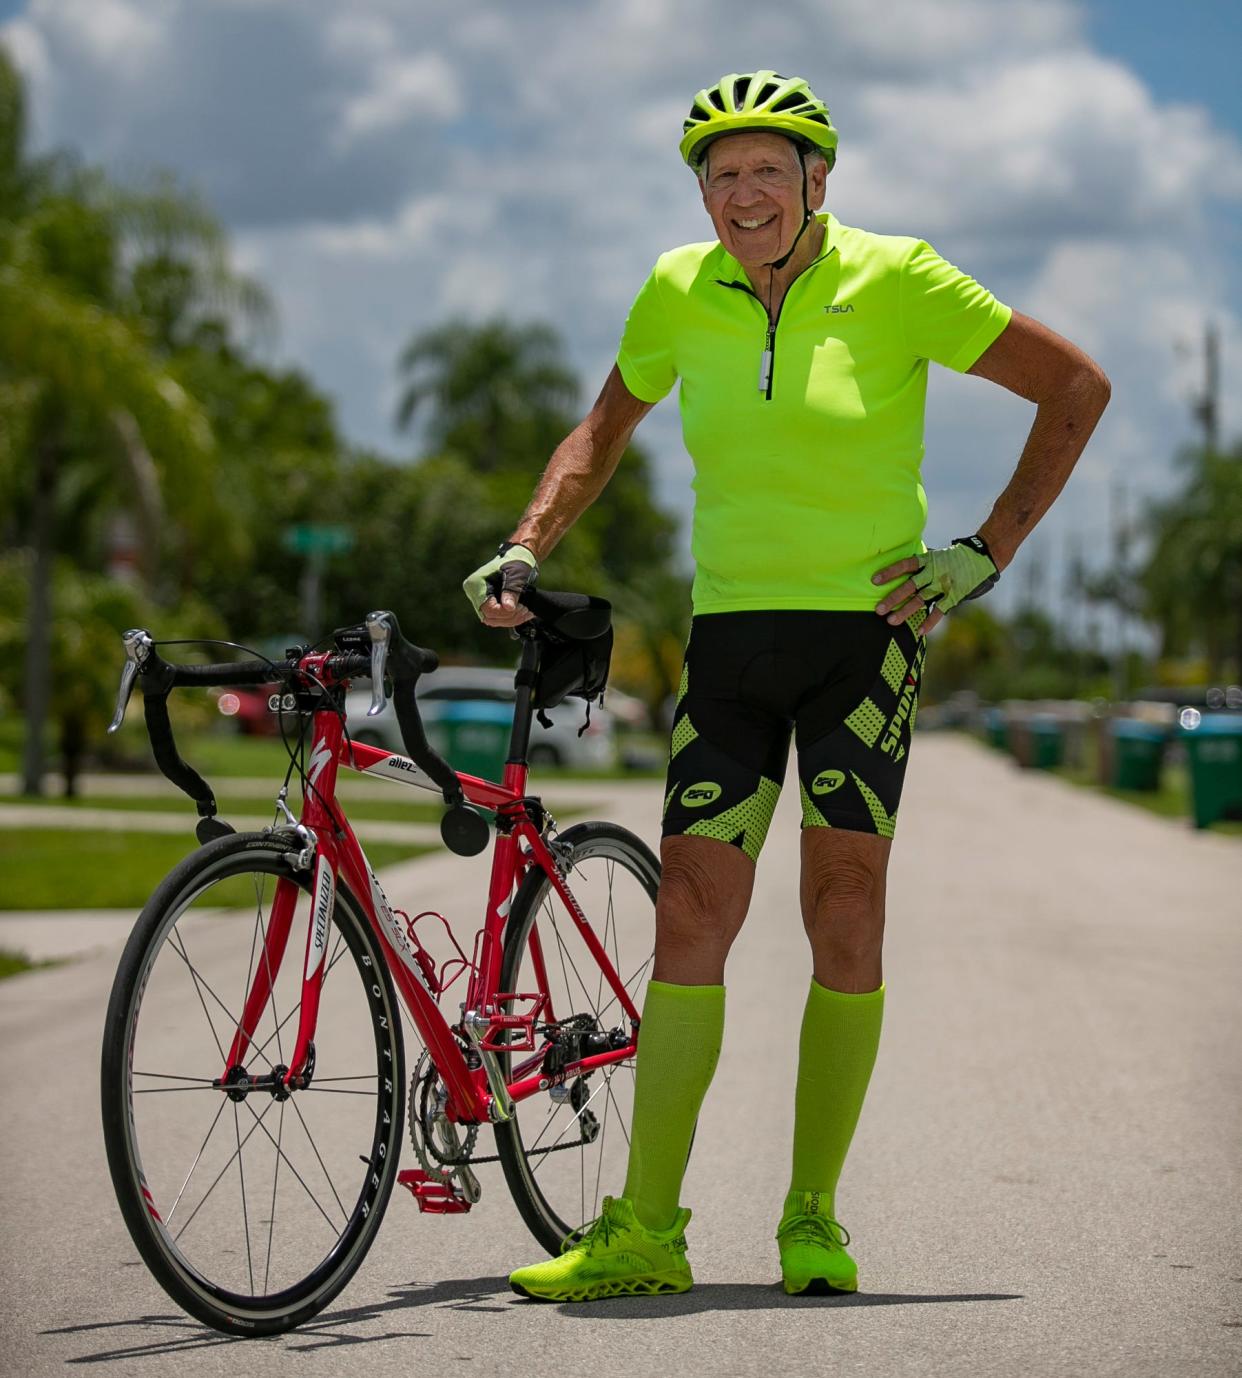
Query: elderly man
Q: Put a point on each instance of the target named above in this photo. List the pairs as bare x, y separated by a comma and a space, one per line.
801, 347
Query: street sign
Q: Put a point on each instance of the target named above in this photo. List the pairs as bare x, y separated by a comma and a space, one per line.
318, 538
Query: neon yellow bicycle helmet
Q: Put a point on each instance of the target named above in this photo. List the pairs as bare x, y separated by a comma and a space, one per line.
758, 100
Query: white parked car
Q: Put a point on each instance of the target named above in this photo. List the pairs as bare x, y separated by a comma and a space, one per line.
559, 745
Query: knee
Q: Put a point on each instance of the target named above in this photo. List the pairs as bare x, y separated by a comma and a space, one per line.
692, 905
847, 892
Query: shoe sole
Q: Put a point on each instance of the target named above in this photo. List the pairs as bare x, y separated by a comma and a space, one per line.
820, 1287
601, 1291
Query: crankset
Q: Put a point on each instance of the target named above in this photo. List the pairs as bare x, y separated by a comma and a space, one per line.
443, 1149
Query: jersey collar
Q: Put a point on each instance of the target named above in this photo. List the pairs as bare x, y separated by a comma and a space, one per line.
732, 271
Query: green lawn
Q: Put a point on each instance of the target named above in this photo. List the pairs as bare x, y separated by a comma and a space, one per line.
14, 963
1171, 800
49, 868
217, 754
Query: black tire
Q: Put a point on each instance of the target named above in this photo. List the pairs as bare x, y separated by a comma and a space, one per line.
614, 877
174, 1005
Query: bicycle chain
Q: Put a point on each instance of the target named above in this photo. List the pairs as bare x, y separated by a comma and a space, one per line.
420, 1090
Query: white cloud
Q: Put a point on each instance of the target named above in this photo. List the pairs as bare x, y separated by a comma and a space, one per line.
401, 89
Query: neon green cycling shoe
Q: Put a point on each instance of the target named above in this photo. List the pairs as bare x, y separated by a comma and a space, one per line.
617, 1256
812, 1244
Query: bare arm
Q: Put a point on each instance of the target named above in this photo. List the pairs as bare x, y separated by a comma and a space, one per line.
1070, 391
576, 475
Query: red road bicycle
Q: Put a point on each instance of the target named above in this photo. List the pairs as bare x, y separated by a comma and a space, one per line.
253, 1074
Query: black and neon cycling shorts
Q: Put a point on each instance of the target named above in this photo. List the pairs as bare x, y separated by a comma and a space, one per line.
846, 683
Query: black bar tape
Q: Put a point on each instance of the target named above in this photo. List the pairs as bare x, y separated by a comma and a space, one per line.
235, 672
159, 729
417, 747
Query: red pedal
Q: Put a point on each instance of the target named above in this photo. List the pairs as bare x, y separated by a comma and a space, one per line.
434, 1197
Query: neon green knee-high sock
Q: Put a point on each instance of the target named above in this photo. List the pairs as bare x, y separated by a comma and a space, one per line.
836, 1052
678, 1046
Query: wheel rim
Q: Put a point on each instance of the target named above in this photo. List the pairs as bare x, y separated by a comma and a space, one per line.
567, 1178
257, 1201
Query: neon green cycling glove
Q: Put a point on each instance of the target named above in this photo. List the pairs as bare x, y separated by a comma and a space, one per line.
517, 568
949, 577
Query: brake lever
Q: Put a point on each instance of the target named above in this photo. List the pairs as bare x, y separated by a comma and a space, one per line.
138, 648
379, 625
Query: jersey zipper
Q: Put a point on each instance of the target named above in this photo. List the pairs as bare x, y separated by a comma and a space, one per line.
768, 357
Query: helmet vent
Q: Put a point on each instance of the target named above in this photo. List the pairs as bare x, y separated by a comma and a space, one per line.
739, 93
767, 93
794, 98
716, 98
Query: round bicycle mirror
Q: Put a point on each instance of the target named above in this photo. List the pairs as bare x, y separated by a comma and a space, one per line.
465, 831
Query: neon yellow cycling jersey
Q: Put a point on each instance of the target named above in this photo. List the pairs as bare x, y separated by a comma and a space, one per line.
807, 437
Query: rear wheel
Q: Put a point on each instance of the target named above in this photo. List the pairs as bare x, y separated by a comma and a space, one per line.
566, 1146
252, 1204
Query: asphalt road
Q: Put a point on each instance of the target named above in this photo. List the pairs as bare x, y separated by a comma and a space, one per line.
1047, 1179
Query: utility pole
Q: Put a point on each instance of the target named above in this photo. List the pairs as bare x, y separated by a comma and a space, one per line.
1072, 590
1207, 404
1120, 531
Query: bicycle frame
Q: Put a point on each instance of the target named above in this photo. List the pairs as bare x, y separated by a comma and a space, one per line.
479, 1093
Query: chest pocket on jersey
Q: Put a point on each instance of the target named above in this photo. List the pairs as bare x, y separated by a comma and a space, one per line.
832, 390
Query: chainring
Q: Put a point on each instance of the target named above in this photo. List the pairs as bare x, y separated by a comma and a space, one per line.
436, 1140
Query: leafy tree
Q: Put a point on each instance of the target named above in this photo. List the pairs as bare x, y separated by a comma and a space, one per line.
1192, 583
98, 288
499, 395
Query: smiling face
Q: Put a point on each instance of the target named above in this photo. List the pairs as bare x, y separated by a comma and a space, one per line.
752, 189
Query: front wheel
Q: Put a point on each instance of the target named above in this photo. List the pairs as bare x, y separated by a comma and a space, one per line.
251, 1204
567, 1145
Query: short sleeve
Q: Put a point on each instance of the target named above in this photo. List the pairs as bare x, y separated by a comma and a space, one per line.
947, 316
645, 357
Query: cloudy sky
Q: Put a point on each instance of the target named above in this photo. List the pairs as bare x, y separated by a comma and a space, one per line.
386, 164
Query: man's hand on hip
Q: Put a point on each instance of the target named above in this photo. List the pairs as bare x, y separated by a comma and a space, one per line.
941, 579
511, 570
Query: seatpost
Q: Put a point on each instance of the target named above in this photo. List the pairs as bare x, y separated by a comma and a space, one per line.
523, 709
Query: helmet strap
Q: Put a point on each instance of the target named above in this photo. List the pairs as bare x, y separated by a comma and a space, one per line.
806, 220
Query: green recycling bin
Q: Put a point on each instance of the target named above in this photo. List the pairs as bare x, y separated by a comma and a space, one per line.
1213, 745
1138, 753
997, 732
1047, 741
473, 736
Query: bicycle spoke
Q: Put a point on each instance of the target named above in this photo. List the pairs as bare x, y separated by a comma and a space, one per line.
576, 1120
178, 946
194, 1164
322, 1164
223, 1170
566, 955
164, 1090
599, 1161
241, 1173
173, 1076
271, 1223
289, 1164
620, 1116
269, 974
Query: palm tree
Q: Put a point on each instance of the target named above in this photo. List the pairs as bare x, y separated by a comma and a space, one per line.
499, 395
